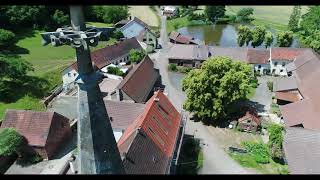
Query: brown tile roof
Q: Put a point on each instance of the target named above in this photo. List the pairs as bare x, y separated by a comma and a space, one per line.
289, 54
258, 56
160, 121
302, 150
183, 39
34, 126
123, 113
250, 113
287, 96
140, 80
103, 57
142, 156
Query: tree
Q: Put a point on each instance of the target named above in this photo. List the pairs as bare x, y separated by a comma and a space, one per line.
295, 16
6, 37
258, 34
115, 70
213, 88
117, 34
244, 35
275, 141
313, 40
243, 15
113, 14
135, 56
310, 21
285, 38
10, 142
214, 12
268, 39
60, 18
13, 67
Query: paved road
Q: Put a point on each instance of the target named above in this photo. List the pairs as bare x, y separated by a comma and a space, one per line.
216, 161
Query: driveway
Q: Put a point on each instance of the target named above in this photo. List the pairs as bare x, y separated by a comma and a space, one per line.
216, 161
262, 99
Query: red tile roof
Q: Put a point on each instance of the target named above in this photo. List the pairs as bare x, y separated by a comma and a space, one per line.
250, 113
34, 126
160, 121
103, 57
140, 80
287, 96
288, 54
258, 56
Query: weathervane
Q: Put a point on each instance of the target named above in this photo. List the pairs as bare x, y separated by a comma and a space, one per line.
98, 152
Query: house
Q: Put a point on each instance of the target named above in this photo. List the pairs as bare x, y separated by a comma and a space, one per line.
44, 131
114, 54
280, 57
148, 144
249, 121
188, 55
304, 82
169, 11
178, 38
139, 83
259, 58
140, 30
302, 150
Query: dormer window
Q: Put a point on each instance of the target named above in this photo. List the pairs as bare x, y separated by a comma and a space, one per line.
276, 63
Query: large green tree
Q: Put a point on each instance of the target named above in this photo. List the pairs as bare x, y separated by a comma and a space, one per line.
313, 40
258, 34
113, 14
214, 12
295, 16
135, 56
11, 142
244, 15
268, 39
244, 35
213, 88
285, 38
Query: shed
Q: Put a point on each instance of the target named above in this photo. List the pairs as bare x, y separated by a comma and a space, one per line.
250, 121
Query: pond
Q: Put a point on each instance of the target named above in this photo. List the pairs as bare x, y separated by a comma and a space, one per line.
221, 35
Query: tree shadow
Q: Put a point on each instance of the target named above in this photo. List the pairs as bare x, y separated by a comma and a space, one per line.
15, 50
13, 90
189, 162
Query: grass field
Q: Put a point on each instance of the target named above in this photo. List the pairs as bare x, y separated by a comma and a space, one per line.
98, 24
276, 17
177, 23
145, 14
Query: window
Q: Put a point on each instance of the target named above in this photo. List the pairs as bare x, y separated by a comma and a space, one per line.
74, 74
281, 70
283, 64
276, 63
156, 136
69, 74
259, 66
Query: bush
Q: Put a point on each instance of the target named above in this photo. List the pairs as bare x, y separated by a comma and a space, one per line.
254, 82
135, 56
182, 69
270, 85
275, 109
258, 151
10, 142
6, 37
275, 141
172, 67
115, 71
117, 34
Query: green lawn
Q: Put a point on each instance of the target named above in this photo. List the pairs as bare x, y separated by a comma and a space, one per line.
177, 23
98, 24
276, 17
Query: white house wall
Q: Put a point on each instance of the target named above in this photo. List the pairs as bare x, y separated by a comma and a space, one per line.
262, 67
278, 67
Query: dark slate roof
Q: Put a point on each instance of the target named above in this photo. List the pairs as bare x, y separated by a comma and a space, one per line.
140, 80
123, 113
258, 56
142, 156
236, 53
103, 57
302, 150
34, 126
